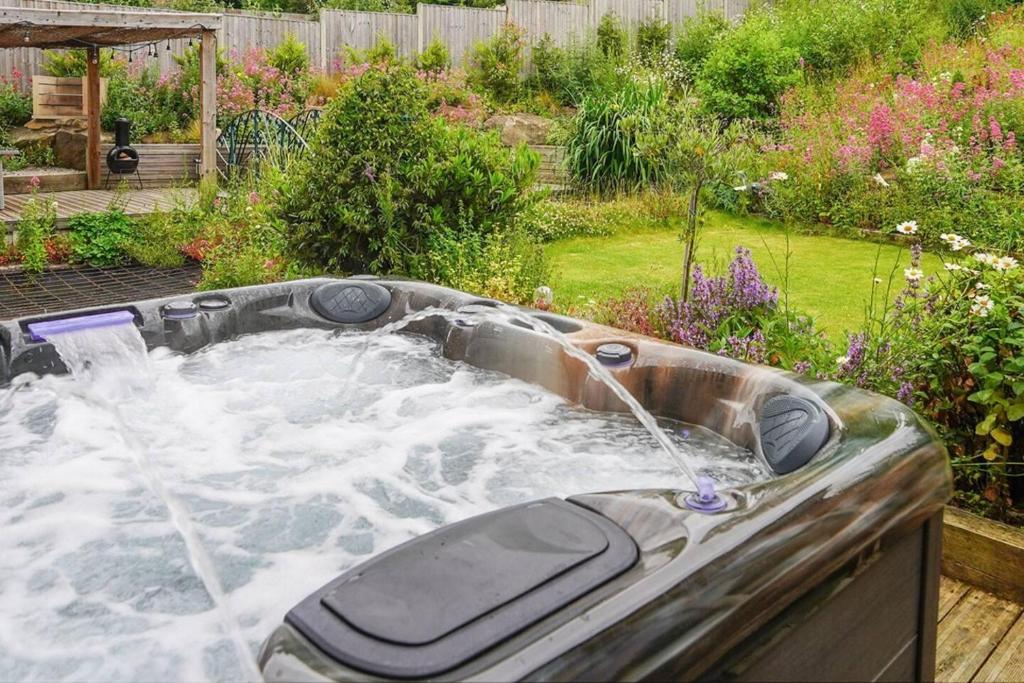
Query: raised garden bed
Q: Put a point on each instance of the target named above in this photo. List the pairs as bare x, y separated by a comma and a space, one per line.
984, 553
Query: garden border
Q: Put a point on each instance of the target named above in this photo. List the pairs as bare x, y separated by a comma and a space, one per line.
984, 553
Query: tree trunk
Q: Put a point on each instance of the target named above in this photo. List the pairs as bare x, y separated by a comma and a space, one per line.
689, 240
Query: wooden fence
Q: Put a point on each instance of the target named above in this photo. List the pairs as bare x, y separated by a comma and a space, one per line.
458, 27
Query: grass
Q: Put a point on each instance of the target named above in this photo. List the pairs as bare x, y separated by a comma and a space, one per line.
829, 277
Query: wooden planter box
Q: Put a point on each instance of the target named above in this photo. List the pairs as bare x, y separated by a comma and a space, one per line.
984, 553
61, 98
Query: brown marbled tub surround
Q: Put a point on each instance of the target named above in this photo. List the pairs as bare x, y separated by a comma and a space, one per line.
705, 585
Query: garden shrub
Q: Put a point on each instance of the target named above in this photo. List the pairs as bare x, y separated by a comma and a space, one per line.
151, 102
653, 38
386, 174
289, 56
507, 264
435, 59
494, 65
747, 71
575, 71
72, 63
36, 225
602, 147
612, 39
15, 106
696, 37
100, 239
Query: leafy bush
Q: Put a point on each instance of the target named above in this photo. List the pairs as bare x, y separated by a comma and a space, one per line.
100, 239
653, 38
494, 65
747, 71
696, 37
573, 72
435, 59
151, 102
72, 63
15, 106
602, 151
289, 57
36, 226
612, 38
386, 175
507, 265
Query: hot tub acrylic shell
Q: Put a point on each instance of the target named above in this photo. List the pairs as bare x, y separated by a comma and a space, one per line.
825, 572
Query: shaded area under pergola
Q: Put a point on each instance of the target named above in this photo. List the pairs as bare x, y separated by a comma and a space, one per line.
95, 29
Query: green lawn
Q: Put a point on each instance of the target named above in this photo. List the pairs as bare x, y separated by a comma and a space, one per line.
829, 277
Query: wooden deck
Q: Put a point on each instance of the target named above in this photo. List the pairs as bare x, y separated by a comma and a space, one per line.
981, 637
132, 202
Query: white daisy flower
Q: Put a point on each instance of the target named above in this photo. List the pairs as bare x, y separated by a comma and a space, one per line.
959, 243
880, 181
953, 267
778, 175
986, 258
1005, 263
982, 305
907, 228
842, 360
913, 274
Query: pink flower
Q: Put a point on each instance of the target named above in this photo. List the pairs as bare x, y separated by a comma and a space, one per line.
34, 182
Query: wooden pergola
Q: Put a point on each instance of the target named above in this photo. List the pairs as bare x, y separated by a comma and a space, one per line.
95, 29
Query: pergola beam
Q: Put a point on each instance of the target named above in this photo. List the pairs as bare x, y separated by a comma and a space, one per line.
180, 22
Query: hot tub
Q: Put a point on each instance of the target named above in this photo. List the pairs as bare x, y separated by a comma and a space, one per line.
808, 551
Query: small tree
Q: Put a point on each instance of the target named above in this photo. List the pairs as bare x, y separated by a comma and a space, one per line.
693, 150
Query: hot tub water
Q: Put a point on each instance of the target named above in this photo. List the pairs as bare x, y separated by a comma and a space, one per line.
132, 494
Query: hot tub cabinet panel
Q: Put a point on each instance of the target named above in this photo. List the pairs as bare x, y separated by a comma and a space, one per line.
827, 570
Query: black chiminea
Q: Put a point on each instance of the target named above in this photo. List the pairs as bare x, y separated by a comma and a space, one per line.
122, 159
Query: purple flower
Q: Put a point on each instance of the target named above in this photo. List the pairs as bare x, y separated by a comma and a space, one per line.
906, 393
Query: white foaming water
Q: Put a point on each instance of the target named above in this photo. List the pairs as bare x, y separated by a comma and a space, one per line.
284, 478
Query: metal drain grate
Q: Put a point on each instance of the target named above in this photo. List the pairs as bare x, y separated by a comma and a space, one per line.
84, 286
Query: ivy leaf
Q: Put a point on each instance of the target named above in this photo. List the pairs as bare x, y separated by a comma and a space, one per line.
986, 425
1002, 437
1015, 412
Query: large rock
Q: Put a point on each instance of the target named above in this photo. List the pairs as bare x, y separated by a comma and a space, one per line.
69, 148
517, 129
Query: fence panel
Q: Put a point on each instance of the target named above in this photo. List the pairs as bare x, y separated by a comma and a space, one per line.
563, 21
459, 27
361, 30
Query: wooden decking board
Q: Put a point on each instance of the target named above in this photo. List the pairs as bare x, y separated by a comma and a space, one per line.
950, 593
970, 632
1006, 663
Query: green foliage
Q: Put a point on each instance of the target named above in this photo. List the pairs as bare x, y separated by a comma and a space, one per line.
289, 56
150, 104
72, 63
696, 37
570, 73
494, 65
653, 38
507, 265
435, 58
36, 226
162, 236
747, 71
964, 17
602, 152
15, 106
101, 239
612, 38
386, 175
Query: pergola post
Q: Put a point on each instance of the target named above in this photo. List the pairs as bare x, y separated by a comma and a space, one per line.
208, 106
92, 127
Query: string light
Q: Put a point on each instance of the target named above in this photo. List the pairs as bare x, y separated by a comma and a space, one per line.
28, 38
